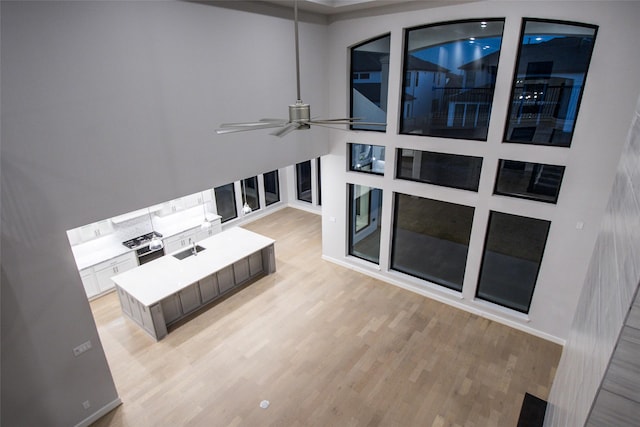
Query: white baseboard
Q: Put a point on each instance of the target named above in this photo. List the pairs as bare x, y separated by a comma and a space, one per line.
99, 413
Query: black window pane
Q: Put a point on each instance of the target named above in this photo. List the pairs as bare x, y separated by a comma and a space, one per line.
511, 260
449, 170
550, 75
431, 239
529, 180
450, 74
271, 187
303, 181
319, 180
365, 209
226, 202
366, 158
369, 82
250, 193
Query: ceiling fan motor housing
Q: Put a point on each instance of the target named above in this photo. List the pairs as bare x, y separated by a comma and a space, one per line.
300, 113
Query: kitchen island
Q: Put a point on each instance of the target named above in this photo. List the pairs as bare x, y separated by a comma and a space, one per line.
163, 291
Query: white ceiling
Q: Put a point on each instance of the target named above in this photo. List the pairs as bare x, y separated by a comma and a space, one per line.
331, 10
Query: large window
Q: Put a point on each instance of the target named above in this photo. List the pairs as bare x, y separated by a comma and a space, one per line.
303, 181
365, 210
527, 180
550, 74
449, 170
449, 77
370, 83
271, 187
226, 202
512, 255
366, 158
431, 239
250, 193
319, 179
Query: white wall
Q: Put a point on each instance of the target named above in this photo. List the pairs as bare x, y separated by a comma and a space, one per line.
604, 118
610, 286
108, 107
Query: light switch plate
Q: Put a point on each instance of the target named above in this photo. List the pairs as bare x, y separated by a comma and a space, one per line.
85, 346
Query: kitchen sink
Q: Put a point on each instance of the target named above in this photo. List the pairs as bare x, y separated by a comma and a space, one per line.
193, 250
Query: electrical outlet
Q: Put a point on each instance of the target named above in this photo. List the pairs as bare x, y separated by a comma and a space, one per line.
86, 404
85, 346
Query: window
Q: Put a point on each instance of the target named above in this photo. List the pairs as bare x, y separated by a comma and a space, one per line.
529, 180
370, 82
250, 192
431, 239
319, 180
303, 181
226, 202
550, 74
271, 187
449, 170
512, 255
462, 59
366, 158
365, 210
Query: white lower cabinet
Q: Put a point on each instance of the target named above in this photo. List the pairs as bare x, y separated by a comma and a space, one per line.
89, 282
190, 298
97, 279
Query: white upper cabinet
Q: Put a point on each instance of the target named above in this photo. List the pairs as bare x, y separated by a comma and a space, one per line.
95, 230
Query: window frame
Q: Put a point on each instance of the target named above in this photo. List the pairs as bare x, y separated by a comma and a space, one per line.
523, 26
399, 166
383, 129
405, 63
431, 278
298, 182
350, 146
524, 196
235, 209
482, 266
276, 175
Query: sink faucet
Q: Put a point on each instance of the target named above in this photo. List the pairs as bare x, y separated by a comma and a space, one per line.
193, 247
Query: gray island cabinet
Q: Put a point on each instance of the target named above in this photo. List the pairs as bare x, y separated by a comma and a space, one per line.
163, 291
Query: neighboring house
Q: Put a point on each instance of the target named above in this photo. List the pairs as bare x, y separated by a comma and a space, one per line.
369, 79
424, 90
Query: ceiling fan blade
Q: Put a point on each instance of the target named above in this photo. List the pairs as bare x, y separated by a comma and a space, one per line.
243, 128
286, 129
280, 121
245, 124
345, 122
343, 119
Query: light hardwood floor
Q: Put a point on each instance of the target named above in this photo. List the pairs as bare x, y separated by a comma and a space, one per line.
327, 347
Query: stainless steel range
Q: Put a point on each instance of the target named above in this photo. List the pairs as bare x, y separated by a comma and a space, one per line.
141, 246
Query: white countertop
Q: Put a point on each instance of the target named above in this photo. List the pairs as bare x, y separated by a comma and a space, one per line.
160, 278
96, 251
108, 247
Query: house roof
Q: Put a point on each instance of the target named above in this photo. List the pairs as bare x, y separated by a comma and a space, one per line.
367, 61
417, 64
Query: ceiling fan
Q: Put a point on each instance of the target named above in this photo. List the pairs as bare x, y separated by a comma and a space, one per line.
299, 113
